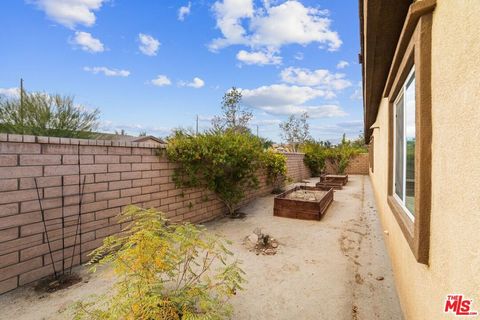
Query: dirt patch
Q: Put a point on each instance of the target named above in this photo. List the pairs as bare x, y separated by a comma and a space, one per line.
306, 195
261, 243
52, 284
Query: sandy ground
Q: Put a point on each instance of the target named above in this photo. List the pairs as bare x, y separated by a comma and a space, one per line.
324, 269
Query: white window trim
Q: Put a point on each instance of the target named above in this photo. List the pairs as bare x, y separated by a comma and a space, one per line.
401, 94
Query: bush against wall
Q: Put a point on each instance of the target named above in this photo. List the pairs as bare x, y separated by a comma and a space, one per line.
316, 153
165, 271
225, 162
276, 166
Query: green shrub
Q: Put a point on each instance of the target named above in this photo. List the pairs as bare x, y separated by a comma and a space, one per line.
46, 115
341, 154
276, 166
165, 271
223, 162
315, 155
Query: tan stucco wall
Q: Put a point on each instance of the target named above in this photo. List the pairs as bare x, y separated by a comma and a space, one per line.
455, 218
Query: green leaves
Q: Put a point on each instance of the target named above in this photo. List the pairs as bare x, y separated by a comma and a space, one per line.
276, 167
165, 271
47, 115
316, 153
223, 162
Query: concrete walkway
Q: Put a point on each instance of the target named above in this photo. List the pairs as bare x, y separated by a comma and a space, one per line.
324, 269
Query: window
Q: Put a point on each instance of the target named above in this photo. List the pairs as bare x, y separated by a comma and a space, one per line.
404, 148
371, 154
408, 90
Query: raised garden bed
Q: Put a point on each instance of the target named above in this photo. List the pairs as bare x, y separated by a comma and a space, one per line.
336, 181
341, 178
303, 202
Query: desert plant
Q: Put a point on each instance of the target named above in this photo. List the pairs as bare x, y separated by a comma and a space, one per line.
276, 166
165, 271
295, 131
223, 162
48, 115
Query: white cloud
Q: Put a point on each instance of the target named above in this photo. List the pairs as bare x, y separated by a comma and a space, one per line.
283, 99
259, 57
184, 11
358, 93
10, 92
281, 95
87, 42
342, 64
70, 12
351, 128
161, 80
321, 111
107, 71
266, 122
272, 26
148, 44
135, 129
196, 83
228, 15
298, 56
321, 78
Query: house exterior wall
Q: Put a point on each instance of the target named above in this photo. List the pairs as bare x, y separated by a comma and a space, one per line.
454, 257
116, 174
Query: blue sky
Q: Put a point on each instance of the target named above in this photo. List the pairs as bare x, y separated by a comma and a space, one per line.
154, 65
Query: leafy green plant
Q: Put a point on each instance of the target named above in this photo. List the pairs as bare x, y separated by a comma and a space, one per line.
340, 155
48, 115
276, 166
315, 155
225, 162
165, 271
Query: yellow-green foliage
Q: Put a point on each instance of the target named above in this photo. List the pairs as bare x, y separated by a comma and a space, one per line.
225, 162
276, 166
315, 155
165, 271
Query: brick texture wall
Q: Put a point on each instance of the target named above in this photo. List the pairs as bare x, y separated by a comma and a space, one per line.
357, 165
115, 174
297, 171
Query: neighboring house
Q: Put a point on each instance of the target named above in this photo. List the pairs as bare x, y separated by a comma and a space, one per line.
122, 137
421, 88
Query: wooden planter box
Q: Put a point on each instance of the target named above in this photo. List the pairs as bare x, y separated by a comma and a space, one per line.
335, 181
299, 208
341, 178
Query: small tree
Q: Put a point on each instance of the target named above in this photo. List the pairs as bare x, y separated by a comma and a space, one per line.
46, 115
235, 116
165, 271
223, 162
295, 130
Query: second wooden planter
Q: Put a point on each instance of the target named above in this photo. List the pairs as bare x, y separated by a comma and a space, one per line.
312, 209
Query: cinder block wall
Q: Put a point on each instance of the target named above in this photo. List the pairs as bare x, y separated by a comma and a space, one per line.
357, 165
116, 174
297, 170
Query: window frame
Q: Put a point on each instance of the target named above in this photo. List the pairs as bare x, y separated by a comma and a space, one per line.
413, 51
401, 95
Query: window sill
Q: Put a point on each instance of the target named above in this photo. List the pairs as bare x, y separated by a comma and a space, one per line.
406, 224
